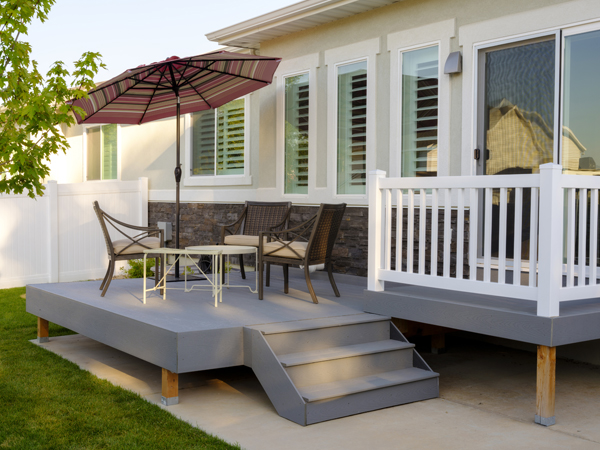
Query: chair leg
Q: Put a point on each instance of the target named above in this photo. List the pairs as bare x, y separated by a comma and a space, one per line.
242, 270
259, 265
105, 277
268, 283
286, 278
331, 280
110, 273
309, 284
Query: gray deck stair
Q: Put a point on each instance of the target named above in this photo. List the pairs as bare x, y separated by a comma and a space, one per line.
323, 369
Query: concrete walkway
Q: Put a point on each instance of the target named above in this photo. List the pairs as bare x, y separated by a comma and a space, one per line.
487, 402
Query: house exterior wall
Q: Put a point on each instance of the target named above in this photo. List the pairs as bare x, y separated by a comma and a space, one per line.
378, 35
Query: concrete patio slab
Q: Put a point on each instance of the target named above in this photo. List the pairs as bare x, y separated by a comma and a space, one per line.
486, 397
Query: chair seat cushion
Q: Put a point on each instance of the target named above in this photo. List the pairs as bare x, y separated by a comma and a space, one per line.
242, 239
285, 252
149, 242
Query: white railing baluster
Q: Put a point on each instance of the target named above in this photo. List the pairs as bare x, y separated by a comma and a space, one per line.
422, 229
593, 235
473, 232
518, 233
399, 217
410, 234
533, 237
502, 238
387, 239
570, 236
460, 233
434, 232
447, 232
487, 239
582, 237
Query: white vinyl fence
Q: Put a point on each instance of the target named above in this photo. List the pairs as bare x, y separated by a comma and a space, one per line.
555, 224
57, 237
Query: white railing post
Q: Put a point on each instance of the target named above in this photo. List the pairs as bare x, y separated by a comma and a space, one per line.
143, 201
550, 240
52, 194
375, 231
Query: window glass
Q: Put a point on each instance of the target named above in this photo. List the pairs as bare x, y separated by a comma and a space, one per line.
352, 128
420, 112
519, 108
581, 99
296, 134
102, 152
218, 140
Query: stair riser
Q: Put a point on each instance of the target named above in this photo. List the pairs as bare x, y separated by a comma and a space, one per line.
348, 368
372, 400
303, 341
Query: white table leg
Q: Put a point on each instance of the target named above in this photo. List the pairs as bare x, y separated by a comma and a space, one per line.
144, 278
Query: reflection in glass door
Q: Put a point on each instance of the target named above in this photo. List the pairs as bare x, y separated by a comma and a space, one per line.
517, 107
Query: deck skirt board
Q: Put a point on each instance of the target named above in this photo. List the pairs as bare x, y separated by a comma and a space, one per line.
489, 315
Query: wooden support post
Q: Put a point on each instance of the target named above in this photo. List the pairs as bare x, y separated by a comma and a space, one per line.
170, 388
546, 384
42, 330
438, 343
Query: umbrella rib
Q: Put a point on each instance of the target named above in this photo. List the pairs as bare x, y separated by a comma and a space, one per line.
151, 97
108, 103
231, 74
188, 81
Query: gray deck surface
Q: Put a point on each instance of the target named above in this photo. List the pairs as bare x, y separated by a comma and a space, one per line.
504, 317
186, 332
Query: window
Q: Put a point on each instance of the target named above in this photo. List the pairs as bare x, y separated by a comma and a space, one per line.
218, 140
296, 134
102, 154
352, 128
420, 82
581, 104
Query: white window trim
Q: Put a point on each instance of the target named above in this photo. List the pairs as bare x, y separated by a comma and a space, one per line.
244, 179
288, 68
86, 127
504, 30
438, 34
361, 51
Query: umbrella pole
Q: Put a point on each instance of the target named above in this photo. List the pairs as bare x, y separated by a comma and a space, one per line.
177, 180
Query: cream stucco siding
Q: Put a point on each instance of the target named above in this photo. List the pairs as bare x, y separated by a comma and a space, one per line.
453, 25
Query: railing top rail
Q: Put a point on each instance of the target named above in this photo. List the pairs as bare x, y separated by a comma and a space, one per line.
579, 182
470, 182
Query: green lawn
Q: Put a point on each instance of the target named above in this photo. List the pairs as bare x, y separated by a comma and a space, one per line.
47, 402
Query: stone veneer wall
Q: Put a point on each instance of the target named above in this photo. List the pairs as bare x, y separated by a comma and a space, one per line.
201, 225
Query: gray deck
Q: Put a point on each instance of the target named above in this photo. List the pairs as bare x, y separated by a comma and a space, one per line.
186, 332
509, 318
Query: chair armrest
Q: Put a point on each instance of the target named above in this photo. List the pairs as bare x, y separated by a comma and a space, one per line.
234, 227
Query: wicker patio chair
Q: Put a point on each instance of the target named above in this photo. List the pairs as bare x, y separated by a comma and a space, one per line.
307, 244
256, 217
130, 247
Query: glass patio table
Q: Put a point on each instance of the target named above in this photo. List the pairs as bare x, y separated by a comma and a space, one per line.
215, 284
232, 250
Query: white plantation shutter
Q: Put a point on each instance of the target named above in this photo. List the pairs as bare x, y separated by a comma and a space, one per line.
218, 139
296, 134
420, 85
352, 128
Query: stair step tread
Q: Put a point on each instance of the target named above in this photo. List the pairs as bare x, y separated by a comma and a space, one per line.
362, 384
314, 324
347, 351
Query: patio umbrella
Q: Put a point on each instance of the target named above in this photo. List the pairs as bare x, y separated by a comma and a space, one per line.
173, 87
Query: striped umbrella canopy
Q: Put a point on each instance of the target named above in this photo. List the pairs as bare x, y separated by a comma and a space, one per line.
173, 87
201, 82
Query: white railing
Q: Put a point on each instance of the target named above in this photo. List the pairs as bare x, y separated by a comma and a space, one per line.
401, 244
57, 237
